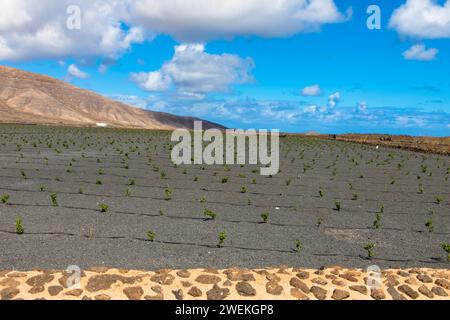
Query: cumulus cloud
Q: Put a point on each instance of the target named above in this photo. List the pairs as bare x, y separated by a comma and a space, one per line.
422, 19
152, 81
30, 30
13, 15
203, 20
311, 91
421, 53
110, 27
310, 109
194, 73
75, 72
334, 99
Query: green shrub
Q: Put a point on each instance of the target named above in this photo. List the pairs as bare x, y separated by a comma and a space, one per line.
298, 245
420, 189
244, 189
319, 221
5, 198
265, 217
54, 199
429, 225
439, 200
103, 207
321, 193
446, 248
131, 182
210, 214
168, 193
369, 249
221, 237
337, 206
151, 236
19, 226
225, 180
377, 222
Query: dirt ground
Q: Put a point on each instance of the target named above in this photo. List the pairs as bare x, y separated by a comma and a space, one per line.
420, 144
129, 174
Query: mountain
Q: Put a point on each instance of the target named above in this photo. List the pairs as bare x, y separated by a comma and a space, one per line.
32, 98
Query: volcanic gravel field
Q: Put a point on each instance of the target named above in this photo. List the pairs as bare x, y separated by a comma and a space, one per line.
131, 173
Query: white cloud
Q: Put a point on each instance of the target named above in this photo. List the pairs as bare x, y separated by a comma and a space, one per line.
334, 99
422, 19
74, 71
421, 53
152, 81
313, 90
30, 30
13, 14
203, 20
310, 109
410, 121
362, 106
110, 27
193, 72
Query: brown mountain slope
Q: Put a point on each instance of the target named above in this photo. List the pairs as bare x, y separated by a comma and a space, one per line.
32, 98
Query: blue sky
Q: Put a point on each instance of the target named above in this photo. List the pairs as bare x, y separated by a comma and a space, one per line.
327, 72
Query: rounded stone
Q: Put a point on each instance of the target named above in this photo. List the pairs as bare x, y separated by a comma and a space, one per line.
378, 294
195, 292
134, 293
245, 289
339, 294
319, 292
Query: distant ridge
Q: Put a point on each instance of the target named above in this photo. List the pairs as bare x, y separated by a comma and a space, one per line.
31, 98
312, 133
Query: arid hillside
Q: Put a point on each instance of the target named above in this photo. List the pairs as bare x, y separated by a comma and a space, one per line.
31, 98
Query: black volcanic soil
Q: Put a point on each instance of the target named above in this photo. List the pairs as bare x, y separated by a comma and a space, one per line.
77, 233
